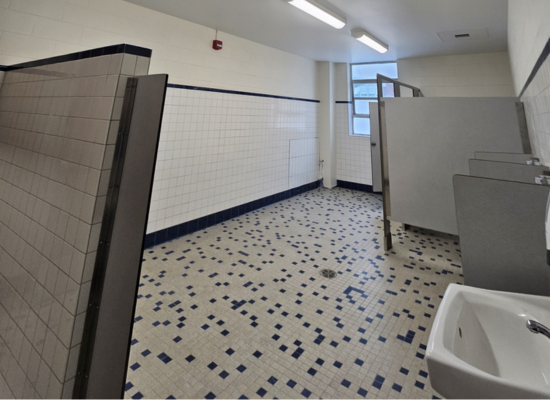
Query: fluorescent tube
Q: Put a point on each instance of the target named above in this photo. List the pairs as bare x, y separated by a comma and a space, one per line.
320, 12
370, 41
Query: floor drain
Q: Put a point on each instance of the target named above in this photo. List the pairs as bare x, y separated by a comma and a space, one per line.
328, 273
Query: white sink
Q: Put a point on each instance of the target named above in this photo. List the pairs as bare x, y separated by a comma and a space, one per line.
480, 347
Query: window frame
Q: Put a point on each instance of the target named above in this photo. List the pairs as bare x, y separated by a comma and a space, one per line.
353, 98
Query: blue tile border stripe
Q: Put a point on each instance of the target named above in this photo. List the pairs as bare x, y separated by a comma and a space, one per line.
343, 102
101, 51
3, 68
542, 58
174, 232
205, 89
355, 186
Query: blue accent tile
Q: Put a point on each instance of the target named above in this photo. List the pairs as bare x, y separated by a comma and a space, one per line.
212, 366
135, 366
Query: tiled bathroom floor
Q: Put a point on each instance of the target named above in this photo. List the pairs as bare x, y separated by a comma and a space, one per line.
240, 310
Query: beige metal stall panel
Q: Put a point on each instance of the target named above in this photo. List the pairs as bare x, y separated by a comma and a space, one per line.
430, 140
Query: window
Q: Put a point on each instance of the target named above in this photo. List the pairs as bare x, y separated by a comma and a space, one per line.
365, 91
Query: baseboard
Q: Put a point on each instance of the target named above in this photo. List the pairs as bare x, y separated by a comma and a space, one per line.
174, 232
355, 186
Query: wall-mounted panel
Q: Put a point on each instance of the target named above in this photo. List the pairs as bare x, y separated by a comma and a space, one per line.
304, 162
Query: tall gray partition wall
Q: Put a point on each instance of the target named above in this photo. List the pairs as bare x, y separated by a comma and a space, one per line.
430, 140
502, 234
506, 171
106, 344
518, 158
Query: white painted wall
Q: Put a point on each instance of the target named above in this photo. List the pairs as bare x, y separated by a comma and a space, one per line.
35, 29
327, 138
469, 75
529, 31
353, 153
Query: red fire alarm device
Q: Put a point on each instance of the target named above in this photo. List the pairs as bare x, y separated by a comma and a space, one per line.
217, 45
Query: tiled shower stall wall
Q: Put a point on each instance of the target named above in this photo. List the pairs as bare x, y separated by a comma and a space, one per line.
220, 149
58, 128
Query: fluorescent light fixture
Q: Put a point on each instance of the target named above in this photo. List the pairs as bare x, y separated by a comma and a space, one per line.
320, 12
369, 40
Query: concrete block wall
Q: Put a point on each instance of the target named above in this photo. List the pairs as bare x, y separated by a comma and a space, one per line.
467, 75
35, 29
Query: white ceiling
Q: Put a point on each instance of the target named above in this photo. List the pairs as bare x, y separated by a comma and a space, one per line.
409, 27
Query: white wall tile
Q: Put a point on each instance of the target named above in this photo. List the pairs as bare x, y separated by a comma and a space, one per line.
220, 150
353, 153
50, 178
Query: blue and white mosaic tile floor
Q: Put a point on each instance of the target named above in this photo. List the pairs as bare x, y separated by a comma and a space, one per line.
240, 310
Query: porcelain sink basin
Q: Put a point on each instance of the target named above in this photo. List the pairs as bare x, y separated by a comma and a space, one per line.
480, 347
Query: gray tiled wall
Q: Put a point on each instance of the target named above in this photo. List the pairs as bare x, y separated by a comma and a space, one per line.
58, 128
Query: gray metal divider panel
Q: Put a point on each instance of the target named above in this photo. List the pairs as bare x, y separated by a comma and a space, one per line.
518, 158
502, 234
111, 347
431, 139
506, 171
376, 162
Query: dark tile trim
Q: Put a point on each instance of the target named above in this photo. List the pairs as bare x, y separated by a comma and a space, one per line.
343, 102
204, 89
542, 58
102, 51
355, 186
3, 68
186, 228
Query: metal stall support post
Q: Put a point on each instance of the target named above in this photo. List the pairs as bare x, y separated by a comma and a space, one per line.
525, 141
105, 347
386, 206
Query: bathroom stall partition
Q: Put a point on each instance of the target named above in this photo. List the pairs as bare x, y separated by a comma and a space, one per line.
431, 139
60, 152
386, 88
502, 234
506, 171
516, 158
